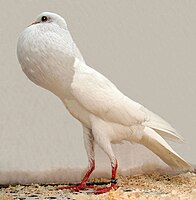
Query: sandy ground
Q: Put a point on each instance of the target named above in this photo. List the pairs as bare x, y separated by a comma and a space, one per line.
142, 187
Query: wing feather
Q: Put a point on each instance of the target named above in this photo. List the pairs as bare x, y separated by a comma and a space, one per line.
101, 97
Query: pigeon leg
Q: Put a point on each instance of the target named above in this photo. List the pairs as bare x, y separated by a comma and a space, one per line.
89, 146
107, 148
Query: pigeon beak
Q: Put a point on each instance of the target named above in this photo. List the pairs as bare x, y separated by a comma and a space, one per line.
34, 23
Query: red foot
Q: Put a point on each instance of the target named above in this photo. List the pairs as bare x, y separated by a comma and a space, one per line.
105, 189
99, 190
75, 187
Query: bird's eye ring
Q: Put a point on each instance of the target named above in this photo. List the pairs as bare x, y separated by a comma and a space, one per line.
44, 19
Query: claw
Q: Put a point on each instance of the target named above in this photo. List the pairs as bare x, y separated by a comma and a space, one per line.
96, 190
105, 189
75, 187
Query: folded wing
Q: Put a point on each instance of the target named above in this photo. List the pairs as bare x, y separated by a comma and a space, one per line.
100, 97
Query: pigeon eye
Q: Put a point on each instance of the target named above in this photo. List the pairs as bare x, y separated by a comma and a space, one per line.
44, 19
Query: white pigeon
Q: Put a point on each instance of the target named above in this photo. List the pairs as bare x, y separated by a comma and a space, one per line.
50, 58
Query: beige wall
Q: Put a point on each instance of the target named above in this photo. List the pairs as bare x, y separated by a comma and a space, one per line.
147, 48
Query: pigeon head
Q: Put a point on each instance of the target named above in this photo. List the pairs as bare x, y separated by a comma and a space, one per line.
48, 17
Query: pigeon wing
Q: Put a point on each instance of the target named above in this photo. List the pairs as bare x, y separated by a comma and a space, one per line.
101, 97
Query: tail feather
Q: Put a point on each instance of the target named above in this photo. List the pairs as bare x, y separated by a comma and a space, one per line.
162, 127
168, 134
159, 146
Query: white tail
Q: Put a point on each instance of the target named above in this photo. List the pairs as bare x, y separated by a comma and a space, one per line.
159, 146
162, 127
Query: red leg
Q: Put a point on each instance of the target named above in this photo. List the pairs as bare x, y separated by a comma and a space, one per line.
87, 175
113, 181
114, 169
82, 185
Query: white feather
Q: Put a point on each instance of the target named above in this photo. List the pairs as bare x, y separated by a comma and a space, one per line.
161, 126
158, 145
100, 97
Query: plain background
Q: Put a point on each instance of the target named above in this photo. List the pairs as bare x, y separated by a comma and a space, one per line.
147, 48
